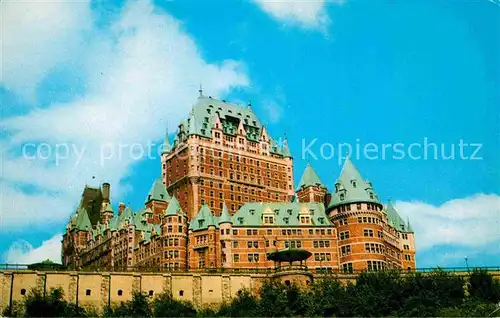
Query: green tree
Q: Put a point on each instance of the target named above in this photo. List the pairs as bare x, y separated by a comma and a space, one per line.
280, 300
137, 307
50, 305
327, 297
243, 305
482, 286
165, 306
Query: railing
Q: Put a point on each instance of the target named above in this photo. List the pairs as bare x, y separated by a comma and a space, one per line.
24, 267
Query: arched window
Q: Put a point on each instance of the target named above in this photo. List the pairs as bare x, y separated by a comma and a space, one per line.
23, 291
120, 292
181, 293
151, 292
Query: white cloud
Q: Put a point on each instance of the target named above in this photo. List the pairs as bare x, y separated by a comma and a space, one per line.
309, 14
37, 37
471, 222
141, 72
22, 252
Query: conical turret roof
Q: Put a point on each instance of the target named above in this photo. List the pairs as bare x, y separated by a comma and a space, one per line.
225, 217
309, 178
173, 207
351, 187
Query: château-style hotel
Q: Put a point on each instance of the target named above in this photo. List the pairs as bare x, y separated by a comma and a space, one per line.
226, 200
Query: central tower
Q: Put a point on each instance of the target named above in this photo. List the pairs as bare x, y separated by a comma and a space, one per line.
223, 154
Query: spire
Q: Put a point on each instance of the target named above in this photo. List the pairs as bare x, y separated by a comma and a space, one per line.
408, 226
200, 90
286, 150
166, 145
225, 217
309, 178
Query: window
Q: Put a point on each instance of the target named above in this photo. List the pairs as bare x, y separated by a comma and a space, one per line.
235, 244
236, 258
368, 232
181, 292
343, 221
151, 293
406, 247
345, 250
344, 235
347, 268
23, 291
88, 292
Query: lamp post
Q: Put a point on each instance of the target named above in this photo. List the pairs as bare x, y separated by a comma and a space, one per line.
466, 264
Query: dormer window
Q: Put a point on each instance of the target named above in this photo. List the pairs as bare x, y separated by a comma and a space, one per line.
341, 196
337, 187
252, 211
311, 211
371, 195
321, 220
161, 196
286, 220
254, 123
240, 219
353, 183
200, 223
277, 211
289, 211
209, 110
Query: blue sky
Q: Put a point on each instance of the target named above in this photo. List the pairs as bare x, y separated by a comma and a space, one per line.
96, 74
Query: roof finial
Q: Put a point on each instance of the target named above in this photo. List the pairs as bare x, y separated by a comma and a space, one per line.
201, 90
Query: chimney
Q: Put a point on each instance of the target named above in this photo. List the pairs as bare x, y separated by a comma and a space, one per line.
105, 192
121, 208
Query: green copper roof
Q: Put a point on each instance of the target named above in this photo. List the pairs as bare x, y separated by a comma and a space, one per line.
158, 192
203, 219
284, 213
396, 220
203, 118
351, 187
286, 149
408, 226
167, 147
173, 207
140, 220
108, 208
83, 220
309, 178
225, 217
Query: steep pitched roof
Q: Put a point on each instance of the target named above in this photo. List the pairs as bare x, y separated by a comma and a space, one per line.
225, 217
173, 207
309, 178
351, 187
203, 219
158, 192
286, 149
285, 214
207, 111
83, 220
108, 208
396, 220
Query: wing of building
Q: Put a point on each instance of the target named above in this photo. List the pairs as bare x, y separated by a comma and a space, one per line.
226, 199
